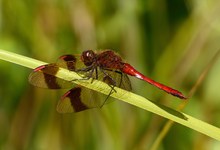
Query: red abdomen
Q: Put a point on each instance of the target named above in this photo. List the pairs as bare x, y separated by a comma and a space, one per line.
128, 69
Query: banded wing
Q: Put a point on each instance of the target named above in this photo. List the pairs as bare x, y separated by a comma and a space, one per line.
78, 98
45, 77
75, 100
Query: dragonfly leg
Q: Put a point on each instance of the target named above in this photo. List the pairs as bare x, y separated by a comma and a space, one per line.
111, 91
116, 71
111, 82
88, 70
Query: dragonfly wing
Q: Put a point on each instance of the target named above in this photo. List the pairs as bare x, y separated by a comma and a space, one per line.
70, 62
79, 99
67, 62
116, 78
45, 77
124, 82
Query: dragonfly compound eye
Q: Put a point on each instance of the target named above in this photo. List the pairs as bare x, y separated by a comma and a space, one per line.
88, 57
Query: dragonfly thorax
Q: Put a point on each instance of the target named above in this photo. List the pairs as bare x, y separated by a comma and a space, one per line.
109, 59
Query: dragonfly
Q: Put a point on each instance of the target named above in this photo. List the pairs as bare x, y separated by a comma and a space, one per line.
106, 66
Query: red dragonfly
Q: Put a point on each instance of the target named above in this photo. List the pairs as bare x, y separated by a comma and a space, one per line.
106, 66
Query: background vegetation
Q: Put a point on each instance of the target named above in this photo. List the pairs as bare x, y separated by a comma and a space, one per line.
170, 41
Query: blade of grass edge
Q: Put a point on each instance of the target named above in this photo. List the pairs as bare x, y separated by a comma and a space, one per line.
201, 78
121, 94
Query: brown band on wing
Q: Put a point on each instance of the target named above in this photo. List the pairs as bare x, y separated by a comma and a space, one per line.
50, 71
51, 81
75, 98
70, 61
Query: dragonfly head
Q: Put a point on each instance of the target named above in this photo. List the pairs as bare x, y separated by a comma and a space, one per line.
88, 57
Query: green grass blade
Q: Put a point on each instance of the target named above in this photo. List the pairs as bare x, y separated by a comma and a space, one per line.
197, 84
122, 95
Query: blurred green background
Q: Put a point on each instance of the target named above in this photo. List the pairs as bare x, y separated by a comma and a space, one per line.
170, 41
